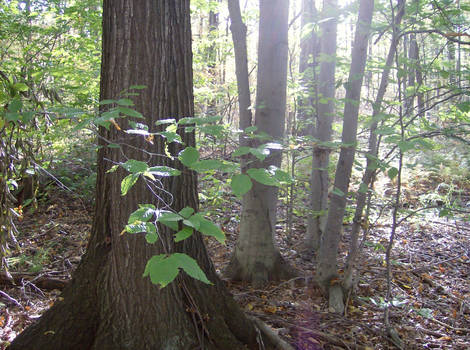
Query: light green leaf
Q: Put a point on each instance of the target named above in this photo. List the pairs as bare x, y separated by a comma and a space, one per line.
189, 156
128, 182
240, 184
262, 176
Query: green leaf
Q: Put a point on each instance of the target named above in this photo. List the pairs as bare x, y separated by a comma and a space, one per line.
186, 212
128, 182
190, 266
170, 219
207, 165
363, 188
15, 105
282, 176
130, 112
208, 228
20, 87
144, 213
165, 121
260, 153
137, 87
262, 176
193, 222
171, 136
392, 173
406, 145
151, 237
241, 151
107, 102
240, 184
161, 269
183, 234
125, 102
188, 156
163, 171
338, 192
135, 166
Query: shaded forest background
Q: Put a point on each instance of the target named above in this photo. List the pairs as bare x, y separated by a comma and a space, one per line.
400, 265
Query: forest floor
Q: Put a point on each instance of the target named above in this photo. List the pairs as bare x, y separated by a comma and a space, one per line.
431, 280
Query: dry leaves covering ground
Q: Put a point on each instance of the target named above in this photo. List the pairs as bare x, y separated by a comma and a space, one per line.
431, 283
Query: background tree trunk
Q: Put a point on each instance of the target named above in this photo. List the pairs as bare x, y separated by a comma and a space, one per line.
108, 304
256, 257
238, 29
319, 180
327, 259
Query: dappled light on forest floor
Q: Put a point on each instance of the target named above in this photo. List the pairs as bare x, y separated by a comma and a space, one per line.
431, 289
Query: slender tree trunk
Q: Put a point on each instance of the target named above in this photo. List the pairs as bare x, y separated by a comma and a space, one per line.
307, 64
327, 267
238, 29
372, 152
108, 304
256, 257
319, 181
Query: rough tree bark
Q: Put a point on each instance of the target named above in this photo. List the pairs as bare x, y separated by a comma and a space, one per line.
319, 180
108, 304
327, 258
256, 257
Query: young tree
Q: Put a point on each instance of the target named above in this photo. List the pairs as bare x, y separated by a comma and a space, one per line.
256, 258
327, 258
372, 153
108, 304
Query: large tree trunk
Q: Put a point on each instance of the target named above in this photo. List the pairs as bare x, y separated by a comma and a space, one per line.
319, 180
108, 304
256, 257
327, 259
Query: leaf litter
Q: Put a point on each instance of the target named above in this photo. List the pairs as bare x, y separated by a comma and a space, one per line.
431, 280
